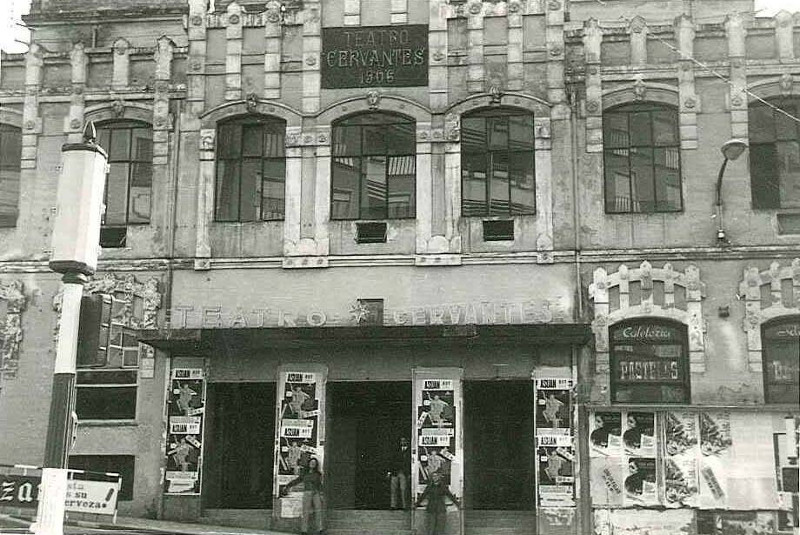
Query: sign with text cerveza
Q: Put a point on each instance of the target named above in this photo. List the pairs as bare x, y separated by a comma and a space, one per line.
375, 56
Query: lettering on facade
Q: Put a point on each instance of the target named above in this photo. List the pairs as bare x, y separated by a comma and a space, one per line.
215, 317
646, 333
376, 56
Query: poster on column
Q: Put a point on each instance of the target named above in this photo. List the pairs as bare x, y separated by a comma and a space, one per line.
436, 430
715, 455
298, 432
555, 454
681, 453
639, 445
185, 414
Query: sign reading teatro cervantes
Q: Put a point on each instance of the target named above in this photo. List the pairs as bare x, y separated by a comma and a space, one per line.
375, 56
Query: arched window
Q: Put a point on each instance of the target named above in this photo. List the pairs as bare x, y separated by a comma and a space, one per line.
775, 153
10, 156
780, 340
251, 169
129, 180
642, 159
649, 361
497, 165
373, 167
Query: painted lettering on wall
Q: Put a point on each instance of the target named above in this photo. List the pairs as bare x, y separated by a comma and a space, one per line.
376, 56
255, 317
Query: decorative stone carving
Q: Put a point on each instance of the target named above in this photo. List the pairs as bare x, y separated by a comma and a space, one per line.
637, 24
13, 293
197, 20
653, 304
139, 301
373, 100
119, 108
786, 82
475, 8
495, 95
251, 102
234, 19
207, 138
784, 288
452, 127
639, 89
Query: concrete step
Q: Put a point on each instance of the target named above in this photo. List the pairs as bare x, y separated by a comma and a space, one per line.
359, 520
240, 518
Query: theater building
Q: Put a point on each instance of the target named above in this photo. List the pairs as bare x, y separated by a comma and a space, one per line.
493, 228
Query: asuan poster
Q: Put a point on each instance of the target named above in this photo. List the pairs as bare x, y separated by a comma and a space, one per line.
185, 417
436, 430
298, 439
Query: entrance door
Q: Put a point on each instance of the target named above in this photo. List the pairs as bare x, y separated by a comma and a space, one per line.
238, 464
499, 444
366, 421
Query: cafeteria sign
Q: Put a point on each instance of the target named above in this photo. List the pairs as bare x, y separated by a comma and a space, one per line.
375, 56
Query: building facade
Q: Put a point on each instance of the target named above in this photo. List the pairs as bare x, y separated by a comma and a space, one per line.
497, 229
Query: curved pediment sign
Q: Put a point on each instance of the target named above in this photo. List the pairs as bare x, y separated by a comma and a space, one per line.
12, 299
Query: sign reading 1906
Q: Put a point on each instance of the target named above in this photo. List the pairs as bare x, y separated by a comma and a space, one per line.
375, 56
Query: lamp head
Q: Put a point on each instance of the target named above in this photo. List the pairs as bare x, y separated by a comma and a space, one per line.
733, 148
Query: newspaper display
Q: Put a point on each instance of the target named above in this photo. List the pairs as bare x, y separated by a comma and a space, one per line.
185, 416
681, 456
436, 431
555, 452
298, 432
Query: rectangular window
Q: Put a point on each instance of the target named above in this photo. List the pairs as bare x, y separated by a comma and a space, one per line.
373, 169
10, 158
108, 358
775, 153
124, 465
649, 362
642, 163
781, 346
251, 170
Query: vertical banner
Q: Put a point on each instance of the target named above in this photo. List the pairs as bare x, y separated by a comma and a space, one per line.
185, 414
555, 451
299, 433
438, 433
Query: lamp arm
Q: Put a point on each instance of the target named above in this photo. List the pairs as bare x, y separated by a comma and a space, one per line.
719, 181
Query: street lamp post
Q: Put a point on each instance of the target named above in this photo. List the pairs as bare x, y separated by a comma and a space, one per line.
75, 244
731, 150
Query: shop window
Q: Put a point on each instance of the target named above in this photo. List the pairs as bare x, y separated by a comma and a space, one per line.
374, 167
497, 163
780, 341
775, 153
10, 155
251, 170
130, 177
108, 360
642, 159
649, 362
124, 465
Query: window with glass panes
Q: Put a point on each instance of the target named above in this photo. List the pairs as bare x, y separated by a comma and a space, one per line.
130, 172
780, 340
251, 170
107, 360
642, 159
774, 138
373, 167
10, 156
497, 163
649, 361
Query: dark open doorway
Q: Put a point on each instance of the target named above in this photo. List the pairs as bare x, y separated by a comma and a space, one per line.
498, 444
239, 446
365, 423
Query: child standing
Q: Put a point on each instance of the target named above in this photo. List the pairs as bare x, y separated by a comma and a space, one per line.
436, 510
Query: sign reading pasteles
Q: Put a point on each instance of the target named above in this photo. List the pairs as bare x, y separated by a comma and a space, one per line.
375, 56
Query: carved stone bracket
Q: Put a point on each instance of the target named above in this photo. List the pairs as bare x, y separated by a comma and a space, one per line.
784, 290
140, 301
13, 293
689, 313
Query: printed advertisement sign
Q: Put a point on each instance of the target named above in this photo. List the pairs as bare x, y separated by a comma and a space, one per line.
715, 449
98, 497
436, 428
605, 435
83, 496
300, 394
185, 414
555, 453
681, 454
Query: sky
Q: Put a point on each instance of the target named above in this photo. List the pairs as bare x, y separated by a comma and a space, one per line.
13, 37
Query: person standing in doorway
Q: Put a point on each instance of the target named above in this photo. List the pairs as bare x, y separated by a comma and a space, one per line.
311, 478
399, 475
436, 510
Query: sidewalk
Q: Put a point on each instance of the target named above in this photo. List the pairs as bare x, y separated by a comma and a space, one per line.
155, 526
